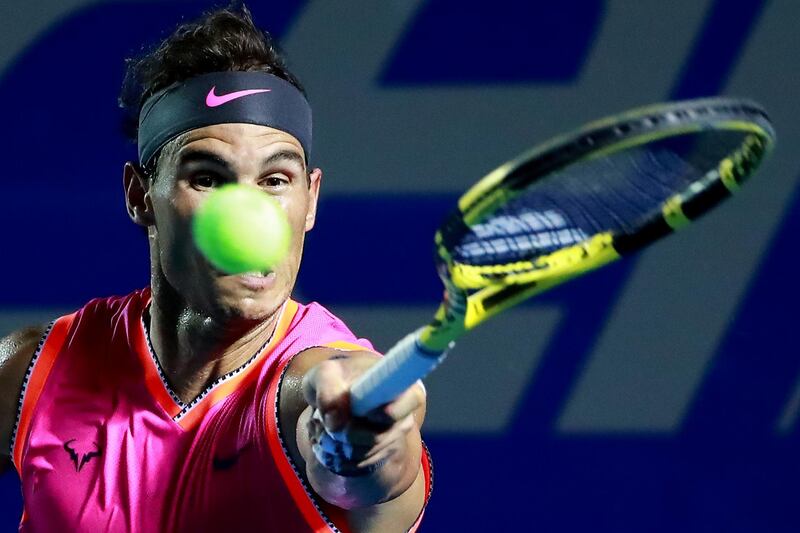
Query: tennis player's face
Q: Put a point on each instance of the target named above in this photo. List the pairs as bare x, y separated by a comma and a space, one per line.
202, 161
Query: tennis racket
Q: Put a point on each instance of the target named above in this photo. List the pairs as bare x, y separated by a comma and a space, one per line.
570, 206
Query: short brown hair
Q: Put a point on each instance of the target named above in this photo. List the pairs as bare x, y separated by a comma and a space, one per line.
225, 39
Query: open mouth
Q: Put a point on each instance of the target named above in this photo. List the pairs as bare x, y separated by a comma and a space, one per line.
222, 273
254, 274
252, 280
256, 281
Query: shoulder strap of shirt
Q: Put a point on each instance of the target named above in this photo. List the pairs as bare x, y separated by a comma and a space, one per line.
35, 378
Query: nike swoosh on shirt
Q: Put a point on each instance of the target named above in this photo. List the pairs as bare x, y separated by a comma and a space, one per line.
227, 462
224, 463
213, 100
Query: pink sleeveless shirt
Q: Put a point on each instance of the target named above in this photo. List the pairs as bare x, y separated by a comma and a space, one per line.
102, 443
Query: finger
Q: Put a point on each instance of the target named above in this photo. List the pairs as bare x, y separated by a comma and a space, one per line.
378, 458
364, 433
347, 450
371, 449
356, 434
314, 427
332, 398
323, 375
339, 457
345, 467
347, 459
399, 408
309, 387
386, 442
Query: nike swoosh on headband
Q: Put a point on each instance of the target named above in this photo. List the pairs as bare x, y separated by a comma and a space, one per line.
213, 100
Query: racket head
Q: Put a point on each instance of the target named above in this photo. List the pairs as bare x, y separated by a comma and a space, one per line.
584, 199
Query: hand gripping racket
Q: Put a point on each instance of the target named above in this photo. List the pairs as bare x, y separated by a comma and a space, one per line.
569, 206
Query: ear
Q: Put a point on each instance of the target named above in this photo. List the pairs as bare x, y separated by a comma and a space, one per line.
137, 195
315, 180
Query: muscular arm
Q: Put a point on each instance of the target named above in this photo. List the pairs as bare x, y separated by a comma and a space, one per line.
388, 499
16, 352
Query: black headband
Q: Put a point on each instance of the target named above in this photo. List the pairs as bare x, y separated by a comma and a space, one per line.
223, 98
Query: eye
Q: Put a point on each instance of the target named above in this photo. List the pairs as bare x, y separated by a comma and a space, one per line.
275, 181
204, 181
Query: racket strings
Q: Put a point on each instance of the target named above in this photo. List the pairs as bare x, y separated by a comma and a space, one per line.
614, 193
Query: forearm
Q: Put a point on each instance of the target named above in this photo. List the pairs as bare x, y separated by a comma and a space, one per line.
387, 480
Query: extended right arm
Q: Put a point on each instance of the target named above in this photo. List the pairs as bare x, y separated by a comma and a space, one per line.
16, 352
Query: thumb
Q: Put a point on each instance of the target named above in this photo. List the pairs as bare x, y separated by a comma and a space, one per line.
326, 389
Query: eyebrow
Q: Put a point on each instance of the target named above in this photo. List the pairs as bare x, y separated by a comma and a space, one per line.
205, 156
285, 155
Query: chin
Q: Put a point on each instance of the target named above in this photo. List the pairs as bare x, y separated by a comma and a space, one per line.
253, 310
241, 302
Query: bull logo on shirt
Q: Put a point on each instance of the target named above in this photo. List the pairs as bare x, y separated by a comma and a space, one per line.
81, 455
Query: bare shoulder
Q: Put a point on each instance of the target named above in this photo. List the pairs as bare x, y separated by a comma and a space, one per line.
16, 352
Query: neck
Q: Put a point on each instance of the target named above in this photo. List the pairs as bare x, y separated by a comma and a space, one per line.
195, 349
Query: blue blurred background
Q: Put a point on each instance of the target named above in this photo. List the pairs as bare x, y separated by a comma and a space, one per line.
661, 394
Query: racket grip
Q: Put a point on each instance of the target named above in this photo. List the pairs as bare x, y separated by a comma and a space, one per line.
404, 364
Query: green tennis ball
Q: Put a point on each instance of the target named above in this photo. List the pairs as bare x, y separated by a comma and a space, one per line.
241, 229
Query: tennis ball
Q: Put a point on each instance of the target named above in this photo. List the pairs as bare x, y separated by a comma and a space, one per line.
241, 229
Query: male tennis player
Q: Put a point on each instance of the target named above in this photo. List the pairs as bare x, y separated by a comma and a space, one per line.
208, 402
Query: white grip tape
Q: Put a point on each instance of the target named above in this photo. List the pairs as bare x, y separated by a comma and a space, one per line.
403, 364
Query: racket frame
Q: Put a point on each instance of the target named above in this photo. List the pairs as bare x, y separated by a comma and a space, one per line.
474, 293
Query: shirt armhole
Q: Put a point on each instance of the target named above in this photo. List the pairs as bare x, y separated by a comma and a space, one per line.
427, 469
32, 385
301, 494
320, 516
